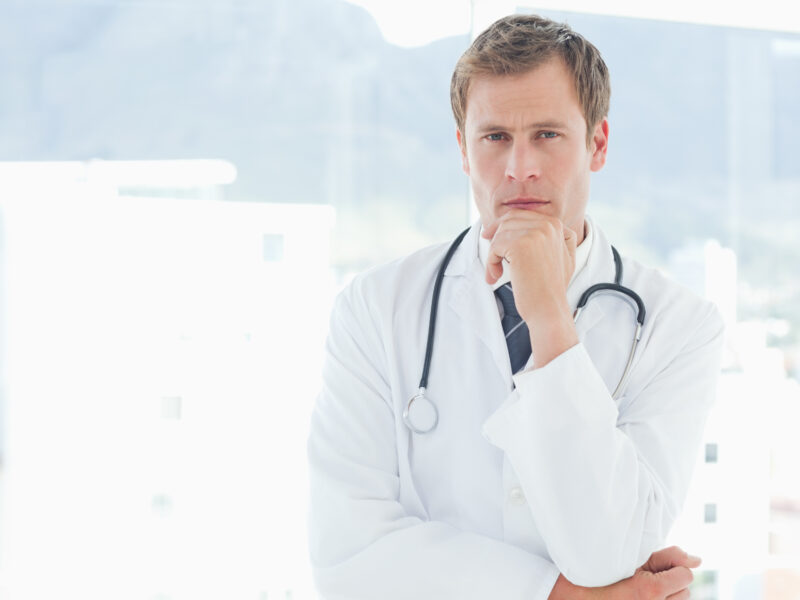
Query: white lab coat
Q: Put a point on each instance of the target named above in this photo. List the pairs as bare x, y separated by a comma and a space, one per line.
525, 476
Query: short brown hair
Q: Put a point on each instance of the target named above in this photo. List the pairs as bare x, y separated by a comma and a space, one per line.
516, 44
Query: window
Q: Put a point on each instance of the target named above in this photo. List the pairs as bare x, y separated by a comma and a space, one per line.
169, 170
710, 513
711, 453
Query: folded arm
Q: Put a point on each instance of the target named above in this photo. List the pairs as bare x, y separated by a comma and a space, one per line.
619, 478
363, 543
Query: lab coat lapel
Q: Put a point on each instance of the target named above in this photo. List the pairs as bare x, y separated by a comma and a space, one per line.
473, 301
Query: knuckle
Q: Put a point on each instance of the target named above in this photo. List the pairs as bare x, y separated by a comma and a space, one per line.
645, 587
536, 233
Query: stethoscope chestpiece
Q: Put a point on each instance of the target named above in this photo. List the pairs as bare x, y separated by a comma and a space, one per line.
424, 417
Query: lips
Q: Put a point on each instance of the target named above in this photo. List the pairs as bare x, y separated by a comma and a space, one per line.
525, 203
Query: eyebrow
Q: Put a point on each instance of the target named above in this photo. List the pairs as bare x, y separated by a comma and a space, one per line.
538, 125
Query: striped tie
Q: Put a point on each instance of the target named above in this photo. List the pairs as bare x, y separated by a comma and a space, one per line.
517, 337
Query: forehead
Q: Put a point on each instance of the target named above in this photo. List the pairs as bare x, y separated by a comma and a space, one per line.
545, 93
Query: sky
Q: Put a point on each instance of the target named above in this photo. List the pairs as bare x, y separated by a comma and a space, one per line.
418, 22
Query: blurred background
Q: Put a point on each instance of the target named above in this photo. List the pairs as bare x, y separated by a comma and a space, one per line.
186, 184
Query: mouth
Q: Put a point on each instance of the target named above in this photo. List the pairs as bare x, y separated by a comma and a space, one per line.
526, 203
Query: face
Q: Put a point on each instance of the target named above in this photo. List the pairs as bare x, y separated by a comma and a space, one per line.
524, 145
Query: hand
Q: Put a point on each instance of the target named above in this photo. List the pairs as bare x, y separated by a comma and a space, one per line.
540, 255
665, 576
668, 558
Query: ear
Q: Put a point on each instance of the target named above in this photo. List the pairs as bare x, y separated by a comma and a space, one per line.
599, 145
462, 145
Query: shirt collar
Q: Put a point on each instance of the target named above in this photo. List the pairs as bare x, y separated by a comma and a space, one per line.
581, 254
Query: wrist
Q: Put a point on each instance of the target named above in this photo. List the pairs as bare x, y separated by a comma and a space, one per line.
551, 335
564, 590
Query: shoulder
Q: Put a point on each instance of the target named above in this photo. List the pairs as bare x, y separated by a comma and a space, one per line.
378, 291
675, 316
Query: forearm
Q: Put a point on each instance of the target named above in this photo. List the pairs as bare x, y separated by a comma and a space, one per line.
604, 509
552, 331
364, 544
431, 560
610, 484
364, 541
564, 590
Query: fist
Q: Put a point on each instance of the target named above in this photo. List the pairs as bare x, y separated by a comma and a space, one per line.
539, 252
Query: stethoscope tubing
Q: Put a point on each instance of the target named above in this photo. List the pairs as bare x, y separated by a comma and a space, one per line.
615, 287
423, 382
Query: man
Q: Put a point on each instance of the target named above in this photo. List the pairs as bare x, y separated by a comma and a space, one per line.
538, 480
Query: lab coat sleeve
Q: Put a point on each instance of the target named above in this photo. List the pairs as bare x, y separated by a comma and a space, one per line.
620, 479
363, 544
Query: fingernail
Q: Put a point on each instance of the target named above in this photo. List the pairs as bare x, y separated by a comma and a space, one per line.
694, 558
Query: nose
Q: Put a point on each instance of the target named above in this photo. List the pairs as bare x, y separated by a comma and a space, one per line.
523, 162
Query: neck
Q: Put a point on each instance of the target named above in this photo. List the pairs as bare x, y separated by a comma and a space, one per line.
579, 229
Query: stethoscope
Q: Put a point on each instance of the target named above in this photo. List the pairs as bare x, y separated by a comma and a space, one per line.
428, 417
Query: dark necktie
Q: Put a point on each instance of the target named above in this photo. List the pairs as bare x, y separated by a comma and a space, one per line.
517, 337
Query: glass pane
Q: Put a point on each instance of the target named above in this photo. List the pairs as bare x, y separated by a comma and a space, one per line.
183, 188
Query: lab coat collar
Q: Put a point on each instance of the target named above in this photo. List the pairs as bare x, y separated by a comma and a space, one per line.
466, 253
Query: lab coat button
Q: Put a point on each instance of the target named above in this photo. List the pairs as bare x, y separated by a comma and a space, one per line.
516, 496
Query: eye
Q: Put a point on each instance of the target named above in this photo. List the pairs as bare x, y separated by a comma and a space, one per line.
548, 135
495, 137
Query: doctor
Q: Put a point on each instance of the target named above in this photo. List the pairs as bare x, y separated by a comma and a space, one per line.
535, 482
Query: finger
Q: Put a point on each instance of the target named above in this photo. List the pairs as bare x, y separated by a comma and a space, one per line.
682, 595
675, 579
505, 238
493, 272
506, 226
571, 241
518, 218
490, 229
506, 235
494, 265
501, 250
671, 557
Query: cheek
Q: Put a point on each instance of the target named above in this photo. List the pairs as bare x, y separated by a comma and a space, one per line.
486, 166
568, 167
